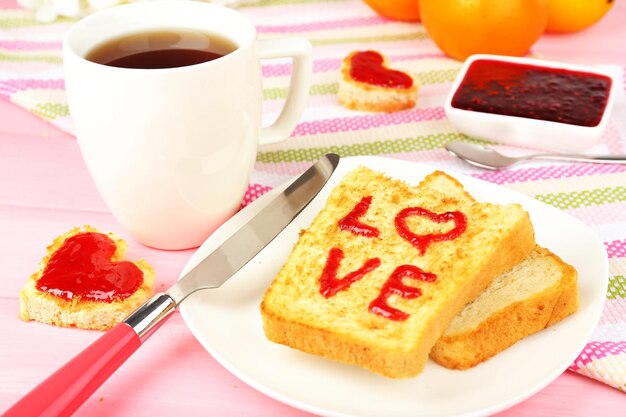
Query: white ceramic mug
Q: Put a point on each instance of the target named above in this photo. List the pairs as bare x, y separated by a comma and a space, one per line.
171, 150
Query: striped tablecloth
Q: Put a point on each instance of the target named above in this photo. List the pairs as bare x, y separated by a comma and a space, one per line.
31, 76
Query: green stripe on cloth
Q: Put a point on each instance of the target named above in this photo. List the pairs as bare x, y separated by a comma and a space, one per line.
51, 111
419, 143
30, 57
437, 76
280, 93
26, 19
323, 89
424, 78
584, 198
275, 93
617, 287
367, 39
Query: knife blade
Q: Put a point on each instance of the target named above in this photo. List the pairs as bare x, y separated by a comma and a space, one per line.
222, 263
64, 391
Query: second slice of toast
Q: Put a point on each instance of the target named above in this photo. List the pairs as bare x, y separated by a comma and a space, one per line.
384, 267
538, 292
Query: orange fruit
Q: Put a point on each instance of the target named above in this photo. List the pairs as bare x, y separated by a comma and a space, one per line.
461, 28
574, 15
396, 9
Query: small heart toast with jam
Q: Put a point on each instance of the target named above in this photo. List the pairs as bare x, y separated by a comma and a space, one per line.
367, 83
384, 268
84, 282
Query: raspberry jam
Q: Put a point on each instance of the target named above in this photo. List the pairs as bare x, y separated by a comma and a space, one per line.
395, 286
534, 92
82, 268
367, 67
351, 222
330, 284
422, 242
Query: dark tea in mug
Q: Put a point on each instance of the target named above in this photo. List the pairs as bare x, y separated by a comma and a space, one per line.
161, 48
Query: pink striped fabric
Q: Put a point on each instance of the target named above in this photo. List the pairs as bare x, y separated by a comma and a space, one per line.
598, 350
15, 45
368, 121
324, 25
31, 77
616, 248
254, 191
8, 87
548, 172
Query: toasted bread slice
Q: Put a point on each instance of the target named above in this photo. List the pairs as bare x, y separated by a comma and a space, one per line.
358, 95
536, 293
358, 320
56, 305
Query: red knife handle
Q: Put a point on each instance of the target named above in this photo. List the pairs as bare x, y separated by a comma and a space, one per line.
64, 391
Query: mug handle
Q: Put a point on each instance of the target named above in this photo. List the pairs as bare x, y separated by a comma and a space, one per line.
299, 49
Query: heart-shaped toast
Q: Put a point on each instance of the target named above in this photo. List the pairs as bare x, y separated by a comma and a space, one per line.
83, 281
368, 83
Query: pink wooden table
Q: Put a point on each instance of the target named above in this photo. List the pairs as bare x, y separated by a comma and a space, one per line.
45, 190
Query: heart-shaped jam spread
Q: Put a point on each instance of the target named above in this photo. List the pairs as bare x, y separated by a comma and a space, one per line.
367, 67
421, 242
82, 267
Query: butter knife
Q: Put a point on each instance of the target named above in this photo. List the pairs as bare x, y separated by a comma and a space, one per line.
64, 391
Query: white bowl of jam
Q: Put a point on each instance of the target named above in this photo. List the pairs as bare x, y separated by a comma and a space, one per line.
530, 102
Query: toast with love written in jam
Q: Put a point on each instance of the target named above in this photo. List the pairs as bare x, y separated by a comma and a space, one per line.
83, 281
383, 269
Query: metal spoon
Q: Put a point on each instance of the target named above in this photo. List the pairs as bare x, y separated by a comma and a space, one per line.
486, 157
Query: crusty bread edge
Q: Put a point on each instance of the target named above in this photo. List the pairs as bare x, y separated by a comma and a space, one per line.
338, 347
495, 334
506, 327
45, 308
433, 176
518, 246
569, 300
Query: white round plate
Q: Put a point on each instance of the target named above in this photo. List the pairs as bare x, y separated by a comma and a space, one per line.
227, 322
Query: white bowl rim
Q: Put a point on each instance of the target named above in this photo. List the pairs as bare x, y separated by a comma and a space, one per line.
537, 62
